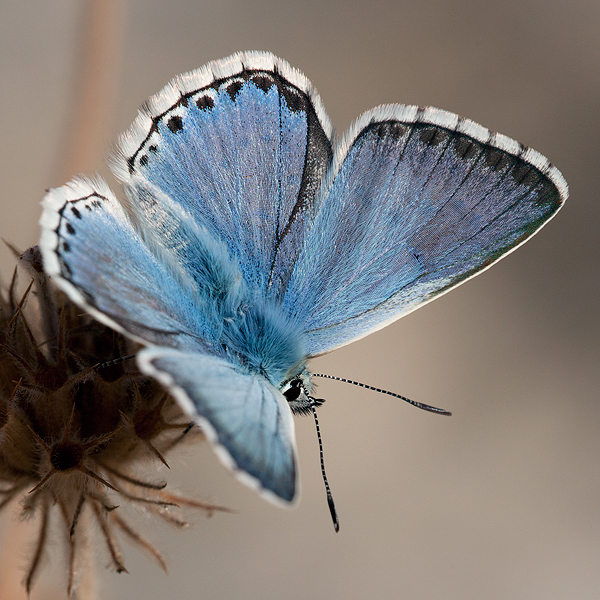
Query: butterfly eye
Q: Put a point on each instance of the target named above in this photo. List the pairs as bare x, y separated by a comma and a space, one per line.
294, 391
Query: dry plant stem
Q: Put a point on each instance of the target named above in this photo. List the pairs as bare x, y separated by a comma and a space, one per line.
39, 548
111, 543
145, 484
95, 88
72, 542
85, 585
180, 500
81, 562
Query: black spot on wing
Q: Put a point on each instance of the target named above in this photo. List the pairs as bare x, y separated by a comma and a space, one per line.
175, 123
233, 88
264, 81
385, 129
205, 102
466, 147
432, 135
295, 99
524, 174
495, 158
548, 195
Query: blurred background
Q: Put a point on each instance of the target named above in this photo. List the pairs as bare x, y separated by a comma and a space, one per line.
500, 501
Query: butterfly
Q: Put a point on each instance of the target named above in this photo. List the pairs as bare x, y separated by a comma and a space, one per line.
251, 239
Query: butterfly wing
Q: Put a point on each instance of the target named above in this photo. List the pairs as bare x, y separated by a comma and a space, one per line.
240, 146
247, 420
417, 202
102, 263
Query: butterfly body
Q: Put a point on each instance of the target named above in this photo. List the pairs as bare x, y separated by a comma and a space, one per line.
250, 239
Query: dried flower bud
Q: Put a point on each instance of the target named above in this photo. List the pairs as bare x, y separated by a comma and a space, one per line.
77, 420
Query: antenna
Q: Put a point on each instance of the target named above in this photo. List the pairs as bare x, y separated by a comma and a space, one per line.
433, 409
330, 502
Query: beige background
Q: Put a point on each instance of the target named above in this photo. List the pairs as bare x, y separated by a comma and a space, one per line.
502, 500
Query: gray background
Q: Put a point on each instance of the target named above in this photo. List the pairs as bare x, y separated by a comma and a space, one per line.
500, 501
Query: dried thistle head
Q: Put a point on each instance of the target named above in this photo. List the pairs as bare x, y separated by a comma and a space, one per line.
78, 420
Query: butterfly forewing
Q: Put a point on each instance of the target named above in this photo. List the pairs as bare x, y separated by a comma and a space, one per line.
414, 208
240, 148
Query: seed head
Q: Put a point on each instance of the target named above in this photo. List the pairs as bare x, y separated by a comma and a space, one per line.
78, 420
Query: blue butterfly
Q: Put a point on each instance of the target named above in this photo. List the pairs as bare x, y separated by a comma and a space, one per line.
251, 239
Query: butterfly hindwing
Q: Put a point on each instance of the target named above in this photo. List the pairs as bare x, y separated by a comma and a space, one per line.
247, 420
418, 201
90, 247
241, 146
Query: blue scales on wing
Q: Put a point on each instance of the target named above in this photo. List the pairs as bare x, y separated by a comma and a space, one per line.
247, 420
100, 260
240, 148
417, 202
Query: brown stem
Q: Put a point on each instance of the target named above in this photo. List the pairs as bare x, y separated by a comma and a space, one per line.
95, 87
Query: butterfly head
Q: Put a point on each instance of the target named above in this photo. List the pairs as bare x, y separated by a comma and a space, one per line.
297, 391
